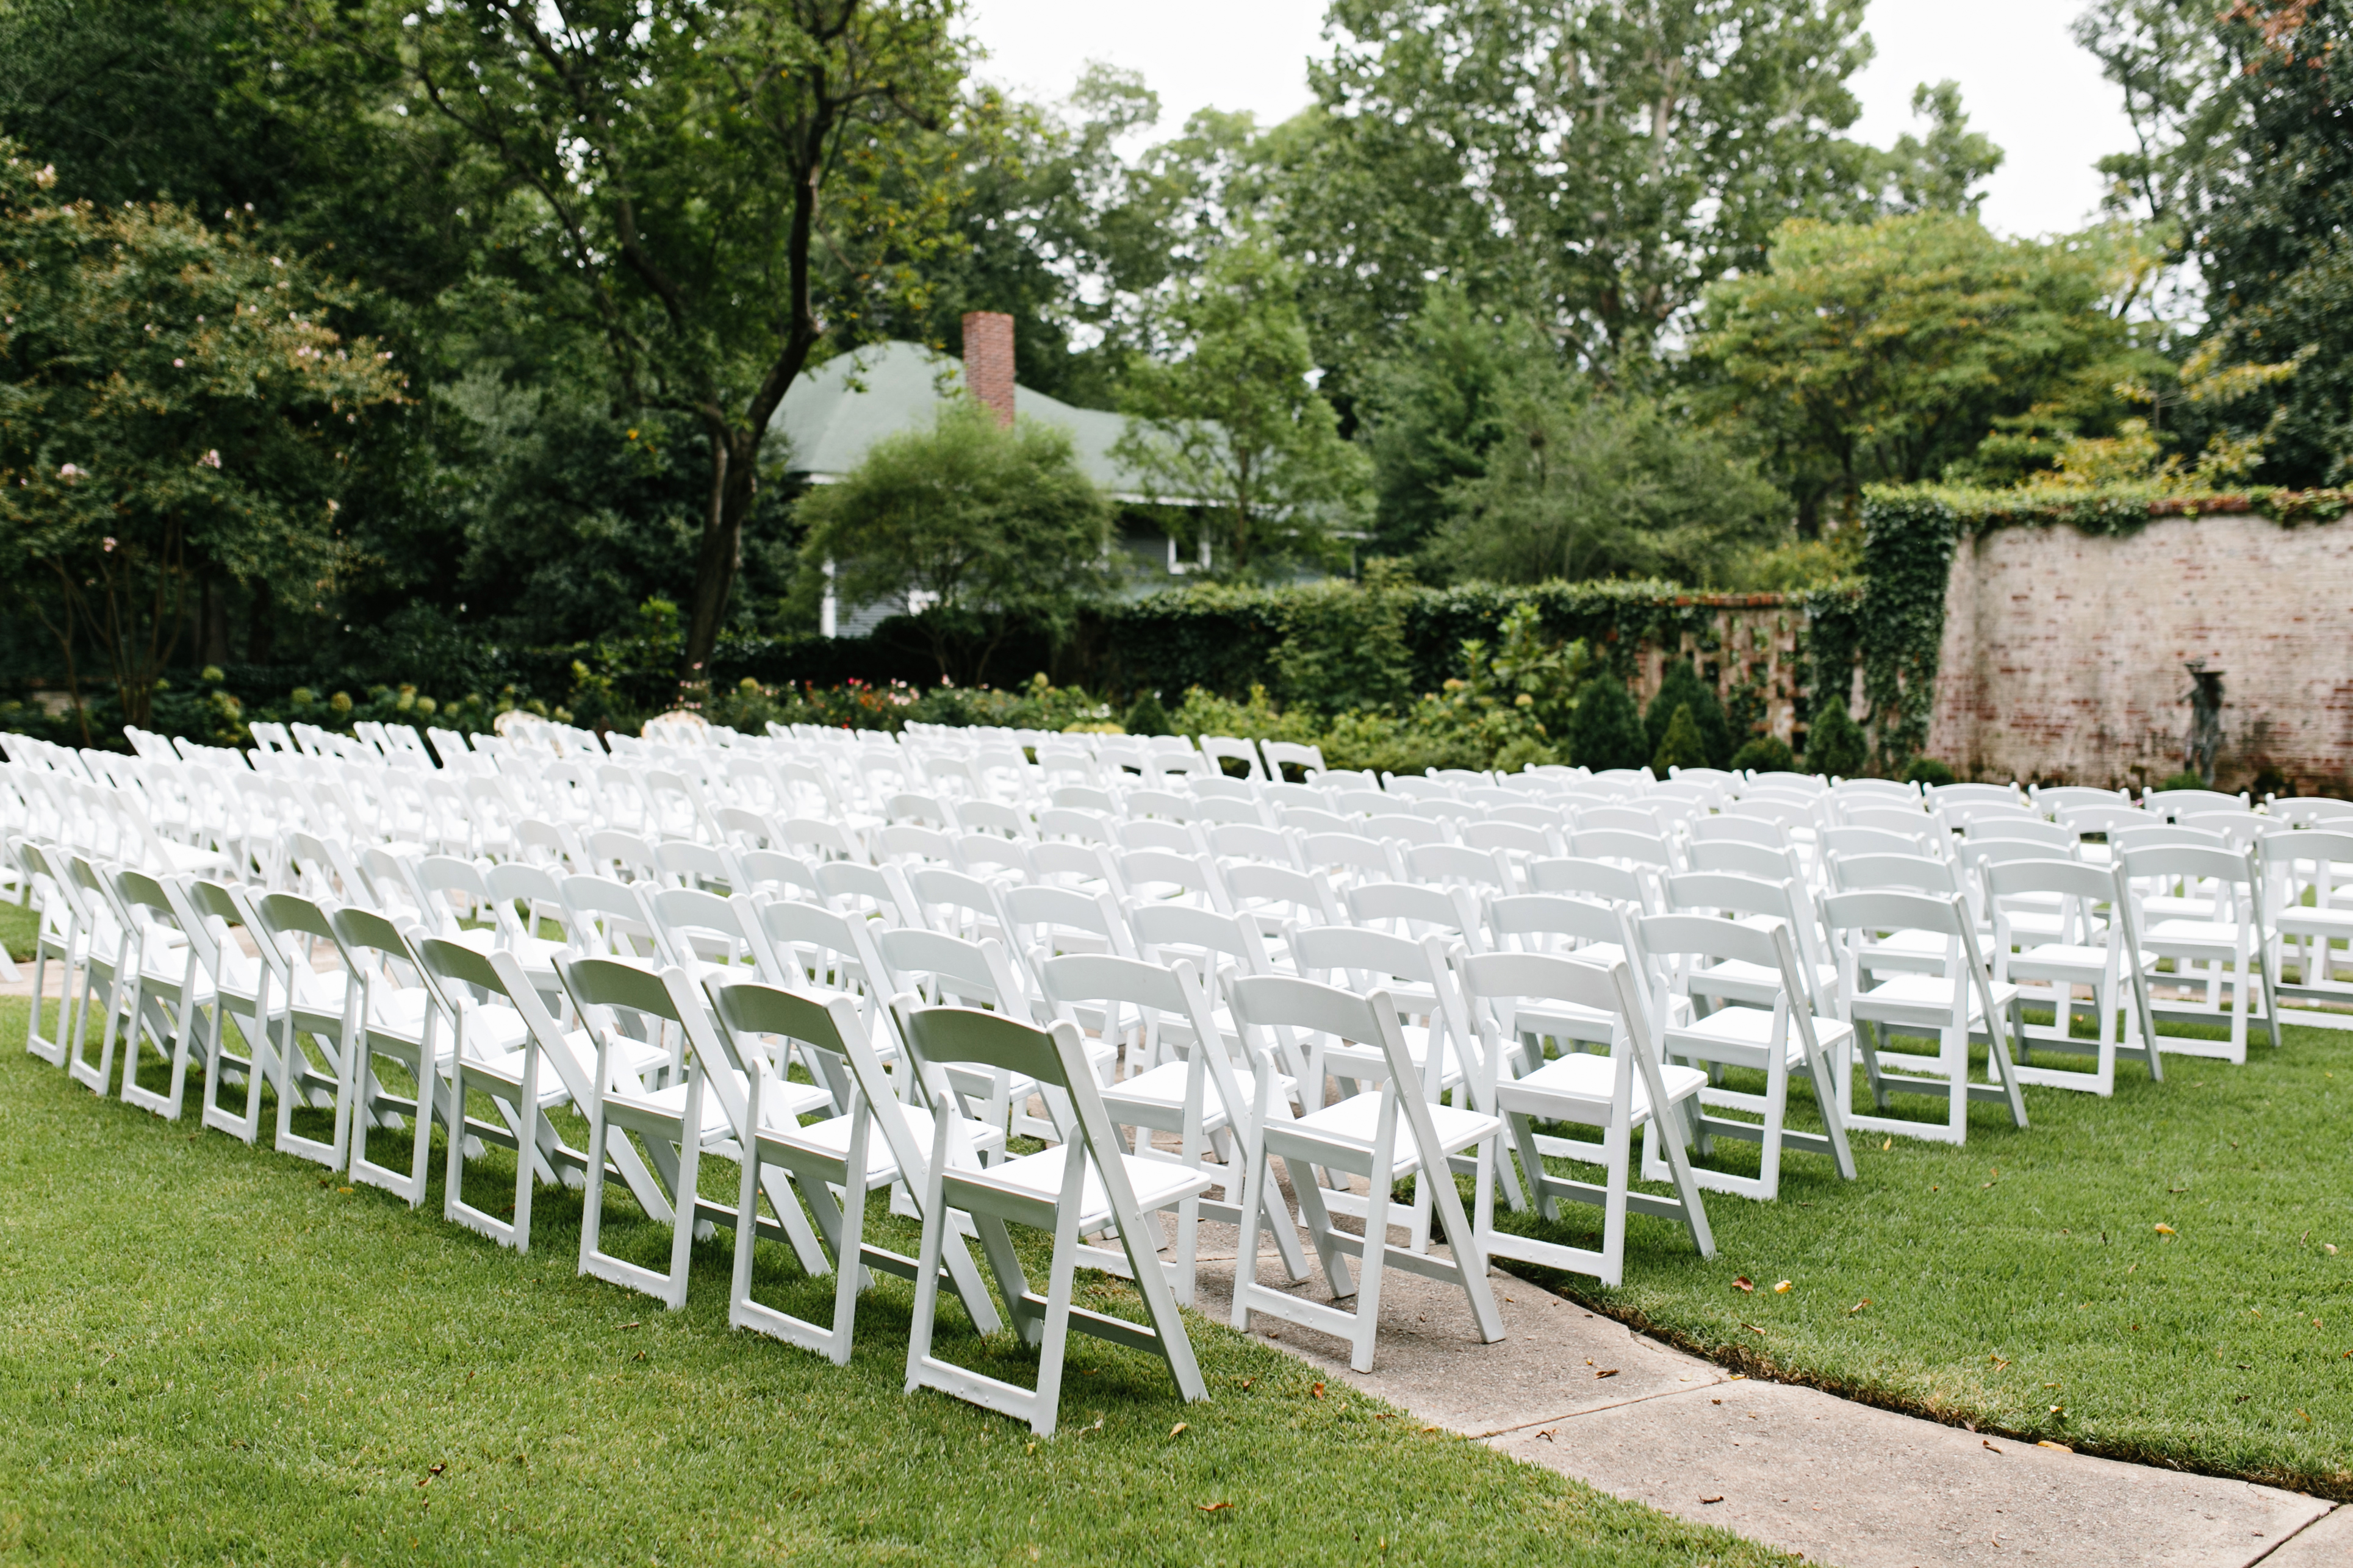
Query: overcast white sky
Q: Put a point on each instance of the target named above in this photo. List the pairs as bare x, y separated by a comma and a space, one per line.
2023, 80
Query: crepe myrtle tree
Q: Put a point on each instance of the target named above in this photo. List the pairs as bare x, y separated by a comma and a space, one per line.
173, 405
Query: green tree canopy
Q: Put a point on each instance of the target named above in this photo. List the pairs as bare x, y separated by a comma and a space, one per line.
1882, 352
1587, 484
1233, 427
173, 405
1606, 731
977, 528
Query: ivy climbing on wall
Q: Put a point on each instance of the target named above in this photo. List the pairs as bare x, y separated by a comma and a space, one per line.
1907, 554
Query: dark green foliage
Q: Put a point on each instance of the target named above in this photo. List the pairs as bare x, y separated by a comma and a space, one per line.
1607, 730
1930, 772
1836, 744
1429, 413
2185, 781
1680, 687
1681, 747
1907, 555
1148, 717
1765, 754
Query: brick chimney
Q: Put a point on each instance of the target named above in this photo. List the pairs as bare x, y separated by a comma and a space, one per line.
988, 361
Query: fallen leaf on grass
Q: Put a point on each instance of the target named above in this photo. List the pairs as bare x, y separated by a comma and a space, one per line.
2000, 1364
1886, 1144
2328, 1247
2047, 1442
1317, 1392
1858, 1306
1610, 1371
1782, 1289
633, 1325
1211, 1507
1707, 1499
1743, 1283
1990, 1446
1548, 1432
2166, 1230
1178, 1427
1754, 1330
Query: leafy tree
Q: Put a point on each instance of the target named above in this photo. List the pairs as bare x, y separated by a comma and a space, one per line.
1680, 746
1606, 732
173, 406
1235, 428
728, 188
2276, 208
1942, 172
1587, 484
1596, 162
1835, 743
1884, 351
977, 528
1429, 413
1681, 689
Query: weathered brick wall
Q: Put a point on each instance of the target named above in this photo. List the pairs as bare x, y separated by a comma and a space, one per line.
2063, 651
1754, 643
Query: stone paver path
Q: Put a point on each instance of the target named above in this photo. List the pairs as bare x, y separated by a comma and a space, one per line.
1794, 1467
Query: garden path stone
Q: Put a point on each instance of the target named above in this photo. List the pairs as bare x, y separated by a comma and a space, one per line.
1795, 1468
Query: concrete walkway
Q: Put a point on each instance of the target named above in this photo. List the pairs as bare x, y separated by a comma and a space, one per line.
1793, 1468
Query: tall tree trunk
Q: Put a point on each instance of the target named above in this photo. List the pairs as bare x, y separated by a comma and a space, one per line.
734, 485
211, 634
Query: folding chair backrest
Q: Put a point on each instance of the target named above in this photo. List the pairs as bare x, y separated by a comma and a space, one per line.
964, 1036
1609, 844
2196, 861
1918, 872
1037, 916
685, 862
1458, 864
970, 972
773, 868
1852, 841
879, 889
1160, 926
1259, 889
1408, 905
1747, 860
2068, 879
1739, 830
1587, 879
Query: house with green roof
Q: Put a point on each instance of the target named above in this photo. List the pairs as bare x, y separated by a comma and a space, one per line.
834, 414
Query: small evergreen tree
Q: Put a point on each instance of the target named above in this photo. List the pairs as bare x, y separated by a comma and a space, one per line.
1679, 688
1836, 745
1928, 770
1607, 730
1765, 754
1148, 717
1680, 746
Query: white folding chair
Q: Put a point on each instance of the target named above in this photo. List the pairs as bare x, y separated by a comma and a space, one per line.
1951, 1005
1760, 1020
1382, 1136
876, 1140
2048, 967
2227, 947
1081, 1186
2316, 861
1533, 997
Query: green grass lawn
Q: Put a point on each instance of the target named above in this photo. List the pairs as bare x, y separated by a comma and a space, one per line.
212, 1352
19, 927
2021, 1283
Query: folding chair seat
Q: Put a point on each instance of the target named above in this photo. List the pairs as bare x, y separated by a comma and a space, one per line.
2228, 946
1203, 1099
876, 1142
2316, 861
1535, 997
242, 997
1762, 901
677, 1125
1509, 832
1382, 1136
1081, 1186
392, 1018
2054, 956
1280, 754
850, 887
62, 934
1761, 1019
609, 919
293, 933
1590, 878
1169, 876
949, 971
1956, 1002
165, 983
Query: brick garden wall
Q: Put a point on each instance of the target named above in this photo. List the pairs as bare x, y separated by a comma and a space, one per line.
2063, 651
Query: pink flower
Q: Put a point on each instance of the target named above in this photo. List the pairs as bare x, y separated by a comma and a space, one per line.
109, 544
211, 460
178, 362
68, 472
